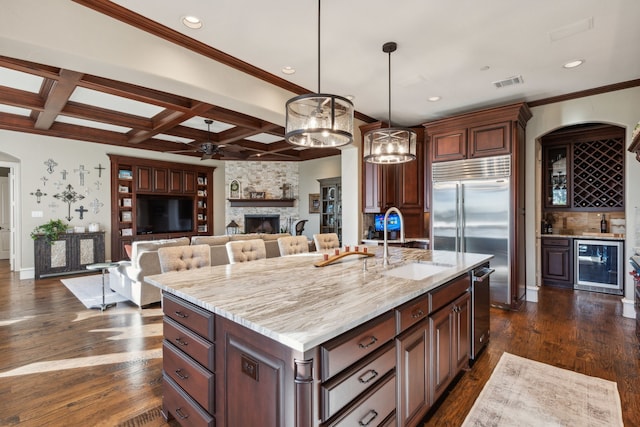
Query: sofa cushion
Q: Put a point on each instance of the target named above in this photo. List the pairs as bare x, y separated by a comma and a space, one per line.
209, 240
141, 246
248, 236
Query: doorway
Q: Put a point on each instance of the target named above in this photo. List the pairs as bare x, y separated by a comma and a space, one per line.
9, 208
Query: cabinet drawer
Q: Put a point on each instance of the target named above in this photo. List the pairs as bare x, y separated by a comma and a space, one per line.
352, 346
182, 407
195, 318
345, 387
438, 298
556, 242
193, 378
373, 408
411, 313
184, 339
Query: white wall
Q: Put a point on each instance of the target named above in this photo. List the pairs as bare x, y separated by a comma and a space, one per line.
310, 172
620, 108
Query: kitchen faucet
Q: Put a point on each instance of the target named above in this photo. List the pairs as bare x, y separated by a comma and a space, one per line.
385, 250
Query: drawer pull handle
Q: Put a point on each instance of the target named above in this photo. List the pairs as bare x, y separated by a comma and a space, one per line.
417, 314
181, 415
367, 376
179, 374
371, 415
181, 314
181, 341
372, 341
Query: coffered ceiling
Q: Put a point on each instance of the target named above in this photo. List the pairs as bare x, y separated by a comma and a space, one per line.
470, 54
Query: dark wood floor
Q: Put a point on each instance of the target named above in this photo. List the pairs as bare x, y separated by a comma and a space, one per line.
64, 365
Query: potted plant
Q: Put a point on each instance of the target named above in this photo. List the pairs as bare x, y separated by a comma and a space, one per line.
50, 230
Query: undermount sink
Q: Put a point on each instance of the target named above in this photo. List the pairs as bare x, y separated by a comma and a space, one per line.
417, 270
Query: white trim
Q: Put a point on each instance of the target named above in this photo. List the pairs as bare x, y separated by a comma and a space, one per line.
628, 309
532, 293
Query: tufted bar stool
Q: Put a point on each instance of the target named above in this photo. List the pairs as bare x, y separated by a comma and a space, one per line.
326, 241
178, 258
246, 250
292, 245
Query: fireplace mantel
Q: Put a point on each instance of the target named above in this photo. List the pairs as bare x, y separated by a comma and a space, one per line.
245, 203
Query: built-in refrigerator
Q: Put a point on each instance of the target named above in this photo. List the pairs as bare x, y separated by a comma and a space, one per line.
471, 212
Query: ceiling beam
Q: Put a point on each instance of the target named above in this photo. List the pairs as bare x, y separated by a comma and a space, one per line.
57, 98
165, 120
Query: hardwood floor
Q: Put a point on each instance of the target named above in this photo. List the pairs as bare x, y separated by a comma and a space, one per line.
64, 365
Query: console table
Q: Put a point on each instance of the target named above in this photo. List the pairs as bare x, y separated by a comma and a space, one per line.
70, 254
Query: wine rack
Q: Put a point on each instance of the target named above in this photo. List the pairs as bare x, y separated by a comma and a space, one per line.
598, 174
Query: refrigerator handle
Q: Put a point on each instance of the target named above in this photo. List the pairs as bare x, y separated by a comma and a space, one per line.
457, 238
463, 222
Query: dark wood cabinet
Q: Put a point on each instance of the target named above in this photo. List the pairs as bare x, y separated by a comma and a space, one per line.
402, 186
131, 176
490, 140
557, 262
583, 168
70, 253
413, 374
331, 206
455, 140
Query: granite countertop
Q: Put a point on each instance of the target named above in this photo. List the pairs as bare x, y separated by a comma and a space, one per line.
406, 240
301, 306
586, 236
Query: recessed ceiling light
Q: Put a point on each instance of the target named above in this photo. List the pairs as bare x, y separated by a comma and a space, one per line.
574, 64
192, 22
434, 98
288, 70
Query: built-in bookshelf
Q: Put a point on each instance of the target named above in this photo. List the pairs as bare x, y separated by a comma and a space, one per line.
132, 177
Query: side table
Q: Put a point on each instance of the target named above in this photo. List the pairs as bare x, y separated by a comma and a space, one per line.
104, 266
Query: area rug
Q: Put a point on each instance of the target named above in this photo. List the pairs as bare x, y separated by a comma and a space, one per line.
88, 289
523, 392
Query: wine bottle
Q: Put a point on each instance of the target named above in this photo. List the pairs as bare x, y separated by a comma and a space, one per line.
603, 225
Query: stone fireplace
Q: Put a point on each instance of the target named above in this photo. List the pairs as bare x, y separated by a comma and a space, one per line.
260, 223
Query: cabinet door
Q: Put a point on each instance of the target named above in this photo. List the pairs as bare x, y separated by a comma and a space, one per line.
389, 182
490, 140
413, 374
143, 178
441, 334
450, 145
410, 185
462, 335
175, 181
160, 180
556, 181
371, 188
557, 262
189, 182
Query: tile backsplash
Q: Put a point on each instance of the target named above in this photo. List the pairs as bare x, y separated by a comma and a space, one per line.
578, 222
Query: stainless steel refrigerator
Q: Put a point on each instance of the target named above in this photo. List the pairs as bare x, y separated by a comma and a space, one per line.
470, 212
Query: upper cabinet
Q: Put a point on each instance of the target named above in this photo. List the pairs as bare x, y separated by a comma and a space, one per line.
401, 185
584, 168
479, 134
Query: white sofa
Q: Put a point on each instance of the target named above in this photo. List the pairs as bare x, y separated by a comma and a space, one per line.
128, 277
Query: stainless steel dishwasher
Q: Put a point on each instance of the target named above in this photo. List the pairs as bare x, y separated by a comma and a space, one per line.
480, 304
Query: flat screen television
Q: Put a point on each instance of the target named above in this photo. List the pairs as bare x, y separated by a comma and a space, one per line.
393, 222
163, 214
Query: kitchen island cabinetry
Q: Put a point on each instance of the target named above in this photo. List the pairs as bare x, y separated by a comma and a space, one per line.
292, 370
557, 262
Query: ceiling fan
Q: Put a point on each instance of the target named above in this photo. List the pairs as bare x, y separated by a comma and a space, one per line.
210, 150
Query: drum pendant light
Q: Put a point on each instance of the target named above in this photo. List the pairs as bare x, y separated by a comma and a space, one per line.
389, 145
319, 120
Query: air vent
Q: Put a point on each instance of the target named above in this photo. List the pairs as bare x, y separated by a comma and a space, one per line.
510, 81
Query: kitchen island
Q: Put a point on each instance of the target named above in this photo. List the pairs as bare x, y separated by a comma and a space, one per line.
279, 342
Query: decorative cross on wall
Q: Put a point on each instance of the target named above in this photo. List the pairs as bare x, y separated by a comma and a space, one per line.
82, 210
50, 164
96, 205
100, 169
57, 184
64, 173
97, 184
53, 206
38, 194
44, 180
81, 171
69, 196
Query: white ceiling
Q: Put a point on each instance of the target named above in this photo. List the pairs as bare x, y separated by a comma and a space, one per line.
455, 49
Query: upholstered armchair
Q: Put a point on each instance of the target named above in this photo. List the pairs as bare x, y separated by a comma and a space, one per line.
326, 241
292, 245
180, 258
246, 250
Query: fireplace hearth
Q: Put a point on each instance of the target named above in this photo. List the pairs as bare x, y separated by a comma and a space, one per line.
269, 224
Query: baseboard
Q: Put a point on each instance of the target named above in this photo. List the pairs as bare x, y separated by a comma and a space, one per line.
27, 273
532, 293
628, 309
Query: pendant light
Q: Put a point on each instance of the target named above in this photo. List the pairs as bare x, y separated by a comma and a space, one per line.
319, 120
389, 145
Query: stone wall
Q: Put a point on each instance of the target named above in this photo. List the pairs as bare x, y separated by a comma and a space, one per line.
267, 177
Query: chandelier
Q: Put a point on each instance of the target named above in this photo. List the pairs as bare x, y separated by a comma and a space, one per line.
319, 120
391, 144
